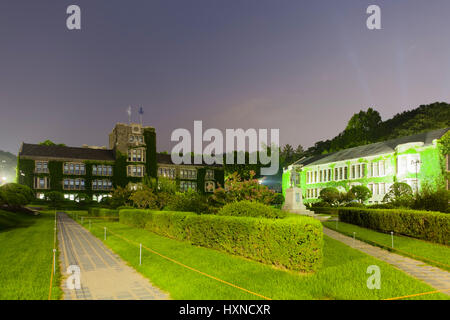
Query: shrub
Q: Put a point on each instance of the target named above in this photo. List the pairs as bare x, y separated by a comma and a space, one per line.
426, 225
354, 205
250, 209
278, 200
237, 190
189, 201
294, 244
400, 195
54, 198
120, 197
361, 193
103, 212
144, 198
16, 195
329, 195
432, 200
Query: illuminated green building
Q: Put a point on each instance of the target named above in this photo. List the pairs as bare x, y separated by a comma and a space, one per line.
416, 160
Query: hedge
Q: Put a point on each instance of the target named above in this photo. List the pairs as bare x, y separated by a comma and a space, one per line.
426, 225
103, 212
292, 244
246, 208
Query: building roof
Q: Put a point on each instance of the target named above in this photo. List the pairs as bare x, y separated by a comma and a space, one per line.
373, 149
37, 150
162, 158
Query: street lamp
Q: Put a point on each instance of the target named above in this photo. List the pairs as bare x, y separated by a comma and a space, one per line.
416, 163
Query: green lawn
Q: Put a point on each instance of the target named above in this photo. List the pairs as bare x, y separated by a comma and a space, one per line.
26, 245
432, 253
343, 275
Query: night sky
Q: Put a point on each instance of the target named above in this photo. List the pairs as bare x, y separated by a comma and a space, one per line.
301, 66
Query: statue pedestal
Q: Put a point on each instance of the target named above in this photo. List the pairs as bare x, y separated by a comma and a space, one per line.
294, 202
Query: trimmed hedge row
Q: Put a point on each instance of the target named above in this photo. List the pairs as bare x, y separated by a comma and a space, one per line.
292, 244
103, 212
426, 225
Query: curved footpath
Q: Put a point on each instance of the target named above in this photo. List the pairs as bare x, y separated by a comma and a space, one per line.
433, 276
103, 274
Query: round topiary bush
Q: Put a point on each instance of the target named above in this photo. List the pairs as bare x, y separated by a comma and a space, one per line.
247, 208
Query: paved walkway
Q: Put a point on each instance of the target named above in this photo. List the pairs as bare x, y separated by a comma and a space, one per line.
435, 277
103, 275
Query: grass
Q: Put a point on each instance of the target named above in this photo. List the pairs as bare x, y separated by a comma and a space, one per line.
26, 244
343, 275
431, 253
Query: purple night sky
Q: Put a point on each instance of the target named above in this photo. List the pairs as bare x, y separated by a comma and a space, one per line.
302, 66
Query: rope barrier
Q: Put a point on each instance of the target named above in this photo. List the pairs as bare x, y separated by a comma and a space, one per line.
186, 266
53, 260
393, 249
417, 294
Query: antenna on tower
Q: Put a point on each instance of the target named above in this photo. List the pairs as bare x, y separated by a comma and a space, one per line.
141, 112
129, 114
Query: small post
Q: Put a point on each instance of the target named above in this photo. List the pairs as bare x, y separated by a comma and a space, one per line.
392, 239
105, 233
140, 253
81, 220
54, 261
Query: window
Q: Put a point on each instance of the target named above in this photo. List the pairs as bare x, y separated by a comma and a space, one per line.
209, 175
340, 173
136, 155
101, 184
135, 171
73, 184
370, 186
77, 168
186, 185
188, 174
329, 174
345, 173
41, 167
209, 186
402, 164
102, 170
41, 183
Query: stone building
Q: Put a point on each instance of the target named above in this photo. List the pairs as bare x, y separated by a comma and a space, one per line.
95, 171
415, 160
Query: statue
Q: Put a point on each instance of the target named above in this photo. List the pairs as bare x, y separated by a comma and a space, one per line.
294, 199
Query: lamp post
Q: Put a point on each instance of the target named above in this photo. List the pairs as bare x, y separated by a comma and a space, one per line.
416, 163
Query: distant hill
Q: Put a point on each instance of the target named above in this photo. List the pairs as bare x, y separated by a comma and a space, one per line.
8, 163
367, 127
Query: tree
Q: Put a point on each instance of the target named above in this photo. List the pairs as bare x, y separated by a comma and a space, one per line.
54, 198
144, 198
238, 190
399, 194
120, 197
330, 195
361, 193
16, 195
51, 143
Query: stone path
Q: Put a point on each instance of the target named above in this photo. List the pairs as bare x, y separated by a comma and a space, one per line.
103, 274
435, 277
